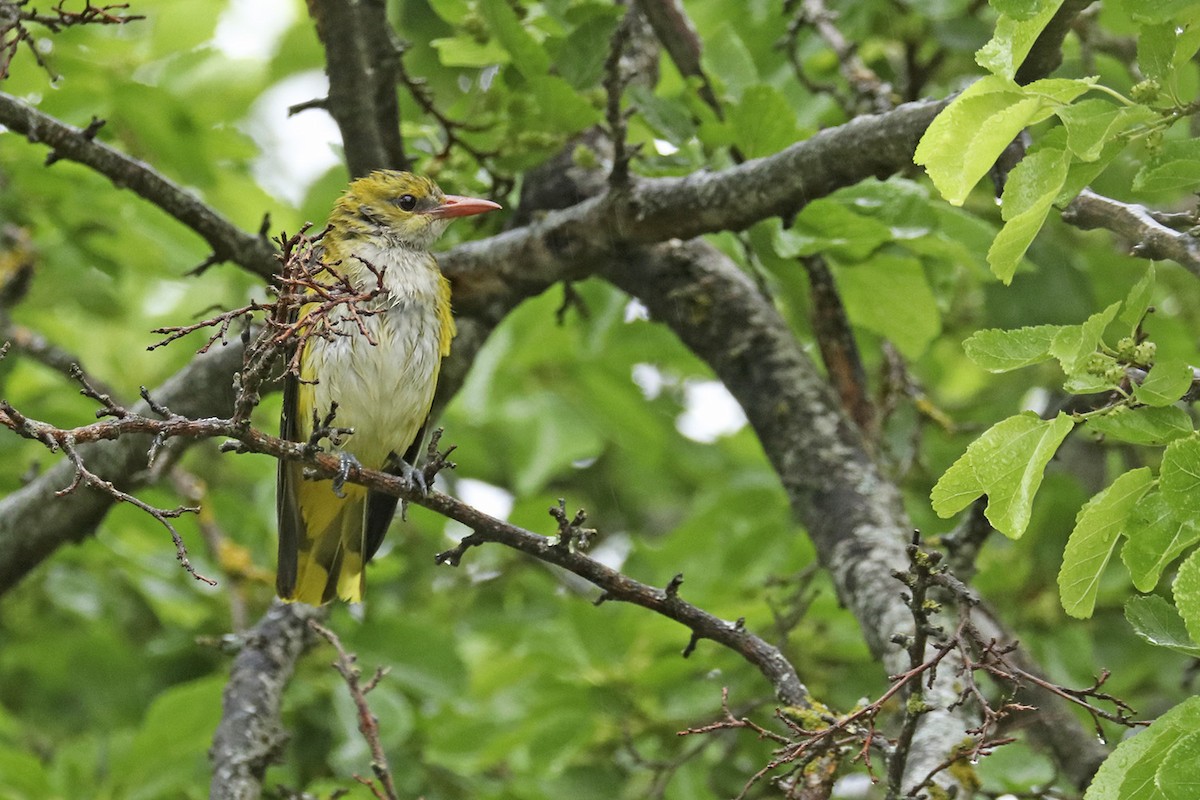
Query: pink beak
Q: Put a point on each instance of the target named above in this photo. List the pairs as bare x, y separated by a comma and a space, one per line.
455, 206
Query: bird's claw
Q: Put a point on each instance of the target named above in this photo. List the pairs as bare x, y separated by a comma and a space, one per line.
346, 462
414, 477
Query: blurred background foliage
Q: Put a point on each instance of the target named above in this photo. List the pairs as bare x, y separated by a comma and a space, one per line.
505, 681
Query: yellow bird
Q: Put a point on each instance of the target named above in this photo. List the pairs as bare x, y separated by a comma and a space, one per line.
382, 385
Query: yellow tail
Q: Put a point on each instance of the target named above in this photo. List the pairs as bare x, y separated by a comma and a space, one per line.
322, 543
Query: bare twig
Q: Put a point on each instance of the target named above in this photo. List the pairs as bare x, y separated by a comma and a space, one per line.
368, 723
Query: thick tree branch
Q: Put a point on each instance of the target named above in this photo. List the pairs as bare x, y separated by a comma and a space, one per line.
361, 60
497, 272
1046, 54
34, 522
228, 242
851, 512
250, 736
1149, 238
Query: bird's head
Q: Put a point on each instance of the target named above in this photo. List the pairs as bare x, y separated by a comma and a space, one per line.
406, 209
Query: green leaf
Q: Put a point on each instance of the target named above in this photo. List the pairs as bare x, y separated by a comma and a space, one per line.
1128, 773
1156, 50
558, 107
527, 53
964, 141
1029, 194
1179, 775
1157, 622
763, 121
910, 319
1014, 37
162, 759
1007, 463
464, 51
1156, 536
1091, 543
1167, 381
666, 116
1179, 475
1138, 300
22, 775
1176, 166
1017, 9
581, 59
727, 59
1159, 11
1082, 173
827, 226
1093, 123
1147, 425
1186, 591
1074, 344
1000, 351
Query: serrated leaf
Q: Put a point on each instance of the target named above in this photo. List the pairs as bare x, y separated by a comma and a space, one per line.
1157, 622
910, 320
1179, 475
1148, 425
1001, 351
1179, 775
1138, 300
1007, 463
1014, 37
763, 121
1094, 538
1186, 591
1167, 381
1156, 537
1029, 194
1091, 124
1175, 166
1128, 773
1074, 344
964, 141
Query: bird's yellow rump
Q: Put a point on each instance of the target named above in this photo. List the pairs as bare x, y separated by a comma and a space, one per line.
382, 382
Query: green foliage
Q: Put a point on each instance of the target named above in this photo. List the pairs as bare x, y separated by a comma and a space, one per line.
1144, 766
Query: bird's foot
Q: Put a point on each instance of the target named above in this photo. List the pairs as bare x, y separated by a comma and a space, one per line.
346, 462
413, 476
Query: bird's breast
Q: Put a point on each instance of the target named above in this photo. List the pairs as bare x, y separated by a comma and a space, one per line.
383, 382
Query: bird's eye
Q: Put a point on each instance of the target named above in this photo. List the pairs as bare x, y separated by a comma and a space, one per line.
406, 202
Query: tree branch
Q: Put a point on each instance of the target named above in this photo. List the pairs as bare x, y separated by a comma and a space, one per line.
361, 60
34, 522
250, 736
1150, 238
228, 242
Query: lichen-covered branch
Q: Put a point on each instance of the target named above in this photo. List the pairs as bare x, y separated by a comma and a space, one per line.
250, 736
1148, 237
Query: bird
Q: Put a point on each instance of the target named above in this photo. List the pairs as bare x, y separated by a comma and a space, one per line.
373, 375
